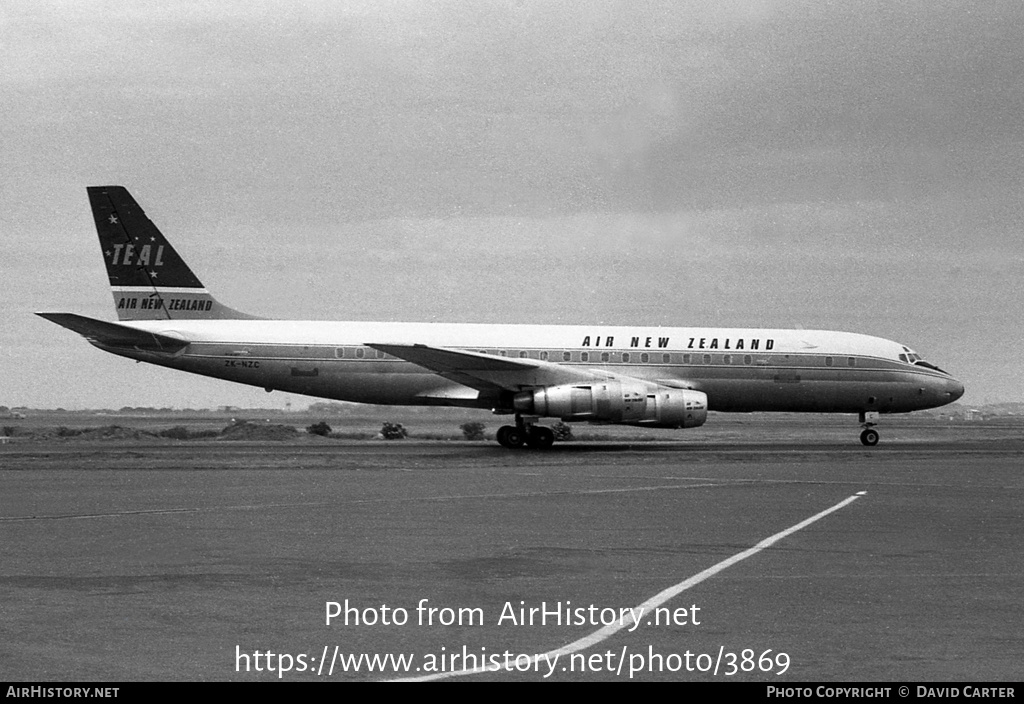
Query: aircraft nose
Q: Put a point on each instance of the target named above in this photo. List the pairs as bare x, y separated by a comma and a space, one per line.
955, 390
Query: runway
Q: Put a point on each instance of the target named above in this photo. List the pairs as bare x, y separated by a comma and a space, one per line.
182, 561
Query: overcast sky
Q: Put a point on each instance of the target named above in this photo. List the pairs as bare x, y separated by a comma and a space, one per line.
839, 165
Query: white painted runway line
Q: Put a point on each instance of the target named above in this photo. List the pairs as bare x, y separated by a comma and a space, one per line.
648, 606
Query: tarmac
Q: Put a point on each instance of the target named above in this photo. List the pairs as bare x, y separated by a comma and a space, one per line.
225, 561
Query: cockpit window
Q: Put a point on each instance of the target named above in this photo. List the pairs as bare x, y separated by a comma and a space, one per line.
910, 356
922, 363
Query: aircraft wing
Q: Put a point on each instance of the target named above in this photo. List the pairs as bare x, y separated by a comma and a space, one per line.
487, 372
115, 335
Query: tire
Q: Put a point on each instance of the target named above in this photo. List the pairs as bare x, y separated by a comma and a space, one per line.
509, 436
540, 438
869, 437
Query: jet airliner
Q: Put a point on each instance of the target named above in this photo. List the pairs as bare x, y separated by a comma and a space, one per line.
635, 375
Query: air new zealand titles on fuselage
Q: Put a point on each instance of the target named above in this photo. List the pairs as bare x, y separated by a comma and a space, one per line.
694, 343
167, 317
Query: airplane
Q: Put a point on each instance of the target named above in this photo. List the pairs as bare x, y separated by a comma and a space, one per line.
634, 375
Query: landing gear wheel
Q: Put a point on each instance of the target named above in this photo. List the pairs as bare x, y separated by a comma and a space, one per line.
540, 438
510, 436
869, 437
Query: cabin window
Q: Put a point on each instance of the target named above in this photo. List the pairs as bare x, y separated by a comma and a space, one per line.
523, 354
707, 359
584, 356
851, 362
666, 358
686, 359
339, 352
645, 358
604, 357
727, 359
828, 361
567, 356
747, 359
381, 354
360, 353
625, 356
544, 355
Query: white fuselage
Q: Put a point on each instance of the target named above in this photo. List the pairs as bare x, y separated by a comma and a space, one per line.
738, 369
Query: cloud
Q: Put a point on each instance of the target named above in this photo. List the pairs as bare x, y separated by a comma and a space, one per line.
683, 161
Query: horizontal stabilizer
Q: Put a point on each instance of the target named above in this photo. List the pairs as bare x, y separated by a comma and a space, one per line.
115, 335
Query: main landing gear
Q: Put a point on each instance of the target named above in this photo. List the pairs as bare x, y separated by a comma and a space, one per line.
869, 436
536, 437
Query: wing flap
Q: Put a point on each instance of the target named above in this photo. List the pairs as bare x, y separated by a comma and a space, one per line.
486, 372
675, 383
441, 359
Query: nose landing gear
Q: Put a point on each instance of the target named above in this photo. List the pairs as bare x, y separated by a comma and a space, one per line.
869, 436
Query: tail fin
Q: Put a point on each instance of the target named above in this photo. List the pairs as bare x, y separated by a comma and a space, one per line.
147, 277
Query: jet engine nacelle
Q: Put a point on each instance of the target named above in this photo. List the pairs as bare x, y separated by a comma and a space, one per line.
615, 401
